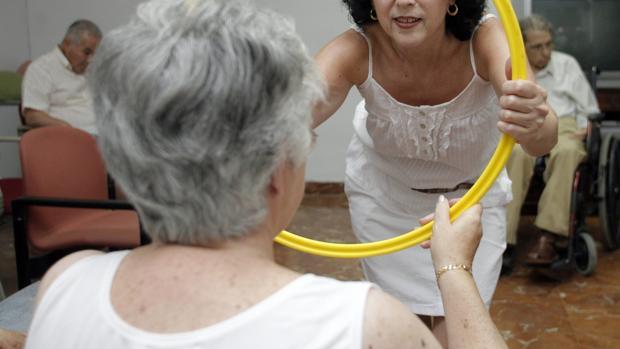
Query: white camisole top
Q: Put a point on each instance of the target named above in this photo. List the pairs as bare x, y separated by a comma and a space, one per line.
398, 146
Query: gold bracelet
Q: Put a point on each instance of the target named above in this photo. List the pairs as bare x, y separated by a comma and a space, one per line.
445, 268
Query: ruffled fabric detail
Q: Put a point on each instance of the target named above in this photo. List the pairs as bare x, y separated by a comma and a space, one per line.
427, 132
412, 134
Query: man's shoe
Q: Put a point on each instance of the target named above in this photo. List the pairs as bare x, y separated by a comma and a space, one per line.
508, 260
543, 252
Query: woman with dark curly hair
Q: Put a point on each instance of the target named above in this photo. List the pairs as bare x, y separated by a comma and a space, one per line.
432, 74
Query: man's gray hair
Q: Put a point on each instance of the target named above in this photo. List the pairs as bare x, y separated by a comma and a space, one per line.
80, 28
535, 22
197, 102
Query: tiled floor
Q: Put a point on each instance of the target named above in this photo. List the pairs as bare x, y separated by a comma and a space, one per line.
530, 309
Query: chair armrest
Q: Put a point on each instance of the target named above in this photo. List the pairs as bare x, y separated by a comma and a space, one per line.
18, 205
23, 201
20, 214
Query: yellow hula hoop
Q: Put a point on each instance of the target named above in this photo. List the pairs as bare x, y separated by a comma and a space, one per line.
482, 185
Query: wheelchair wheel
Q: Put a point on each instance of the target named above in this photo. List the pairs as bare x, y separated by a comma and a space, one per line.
609, 206
612, 192
585, 255
593, 145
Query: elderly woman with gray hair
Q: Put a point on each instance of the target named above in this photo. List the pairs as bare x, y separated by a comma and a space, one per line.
204, 111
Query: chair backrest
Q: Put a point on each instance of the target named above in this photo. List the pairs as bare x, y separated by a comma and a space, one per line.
60, 162
11, 189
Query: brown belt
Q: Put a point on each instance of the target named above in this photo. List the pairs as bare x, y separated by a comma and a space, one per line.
444, 190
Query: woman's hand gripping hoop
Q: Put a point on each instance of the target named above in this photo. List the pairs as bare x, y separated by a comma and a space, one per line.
473, 196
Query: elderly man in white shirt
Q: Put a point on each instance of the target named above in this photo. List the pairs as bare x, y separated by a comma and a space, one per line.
54, 90
572, 98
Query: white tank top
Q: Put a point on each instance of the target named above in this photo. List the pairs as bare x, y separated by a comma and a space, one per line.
309, 312
425, 146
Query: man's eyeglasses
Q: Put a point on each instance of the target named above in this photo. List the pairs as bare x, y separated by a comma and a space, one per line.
541, 46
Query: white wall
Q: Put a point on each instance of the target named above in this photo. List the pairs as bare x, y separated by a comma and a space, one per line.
13, 51
13, 34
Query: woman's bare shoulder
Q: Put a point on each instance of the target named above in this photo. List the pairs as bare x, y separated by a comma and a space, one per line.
346, 54
350, 40
490, 49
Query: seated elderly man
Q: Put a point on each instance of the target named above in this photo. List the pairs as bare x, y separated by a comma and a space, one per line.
54, 90
571, 96
204, 113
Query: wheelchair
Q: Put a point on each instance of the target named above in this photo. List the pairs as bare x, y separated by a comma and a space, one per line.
595, 191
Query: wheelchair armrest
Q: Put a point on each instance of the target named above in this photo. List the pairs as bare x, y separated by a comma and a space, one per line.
612, 115
596, 117
540, 164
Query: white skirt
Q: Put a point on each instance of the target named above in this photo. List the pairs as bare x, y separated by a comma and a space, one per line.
409, 274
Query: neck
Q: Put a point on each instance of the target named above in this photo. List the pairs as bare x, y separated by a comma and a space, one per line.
257, 245
429, 52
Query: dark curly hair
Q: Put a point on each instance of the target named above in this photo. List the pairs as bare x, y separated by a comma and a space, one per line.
461, 26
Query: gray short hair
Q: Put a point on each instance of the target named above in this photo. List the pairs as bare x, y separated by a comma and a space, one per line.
535, 22
80, 28
197, 102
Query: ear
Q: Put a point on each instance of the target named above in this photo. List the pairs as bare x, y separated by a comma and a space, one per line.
64, 45
276, 183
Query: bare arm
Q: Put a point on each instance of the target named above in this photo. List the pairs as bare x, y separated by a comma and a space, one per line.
36, 88
469, 324
38, 118
467, 319
525, 114
341, 63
